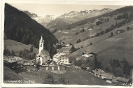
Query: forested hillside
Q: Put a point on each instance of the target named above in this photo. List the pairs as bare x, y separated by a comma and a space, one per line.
20, 27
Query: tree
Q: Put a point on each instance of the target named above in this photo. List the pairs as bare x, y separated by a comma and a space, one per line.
125, 67
83, 66
34, 55
111, 34
97, 34
108, 69
7, 52
98, 23
78, 62
95, 61
31, 49
118, 71
72, 49
20, 53
90, 43
76, 33
72, 60
102, 32
81, 46
78, 41
12, 53
62, 81
114, 63
49, 79
128, 28
82, 30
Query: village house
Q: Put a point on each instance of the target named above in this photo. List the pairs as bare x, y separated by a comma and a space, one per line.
28, 62
66, 37
42, 56
64, 59
100, 73
61, 58
119, 31
123, 80
87, 55
109, 77
77, 67
12, 59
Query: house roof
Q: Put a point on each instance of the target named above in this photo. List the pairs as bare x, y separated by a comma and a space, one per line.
59, 54
122, 79
66, 55
63, 49
102, 73
107, 75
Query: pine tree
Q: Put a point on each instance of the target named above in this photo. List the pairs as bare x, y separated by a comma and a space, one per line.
20, 53
12, 53
95, 61
72, 49
49, 79
31, 49
125, 67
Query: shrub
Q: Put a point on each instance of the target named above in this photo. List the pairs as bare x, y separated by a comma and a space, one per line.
49, 79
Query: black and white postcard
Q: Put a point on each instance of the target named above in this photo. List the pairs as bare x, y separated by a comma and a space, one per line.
65, 43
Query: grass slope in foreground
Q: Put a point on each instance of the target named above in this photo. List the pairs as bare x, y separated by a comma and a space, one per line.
74, 76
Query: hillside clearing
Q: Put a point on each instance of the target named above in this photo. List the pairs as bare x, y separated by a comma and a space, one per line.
17, 46
124, 40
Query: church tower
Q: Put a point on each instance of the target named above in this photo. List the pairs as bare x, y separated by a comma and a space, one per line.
43, 56
41, 43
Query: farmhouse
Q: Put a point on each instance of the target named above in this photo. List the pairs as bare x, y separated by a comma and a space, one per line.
64, 59
121, 79
109, 77
100, 73
42, 56
119, 31
61, 58
87, 54
12, 59
28, 62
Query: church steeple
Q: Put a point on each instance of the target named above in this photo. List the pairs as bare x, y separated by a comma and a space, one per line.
41, 43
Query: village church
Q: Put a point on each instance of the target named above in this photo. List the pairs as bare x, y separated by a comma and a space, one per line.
42, 56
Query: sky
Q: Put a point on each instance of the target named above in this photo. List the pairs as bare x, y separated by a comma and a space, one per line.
57, 9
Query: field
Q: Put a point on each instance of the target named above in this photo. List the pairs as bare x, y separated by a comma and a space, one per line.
74, 76
103, 42
85, 34
120, 50
17, 46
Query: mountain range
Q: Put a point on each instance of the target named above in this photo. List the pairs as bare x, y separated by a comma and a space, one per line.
65, 19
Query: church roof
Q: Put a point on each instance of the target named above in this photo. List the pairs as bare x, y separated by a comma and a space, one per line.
43, 52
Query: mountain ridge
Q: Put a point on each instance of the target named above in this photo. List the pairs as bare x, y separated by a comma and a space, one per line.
75, 16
